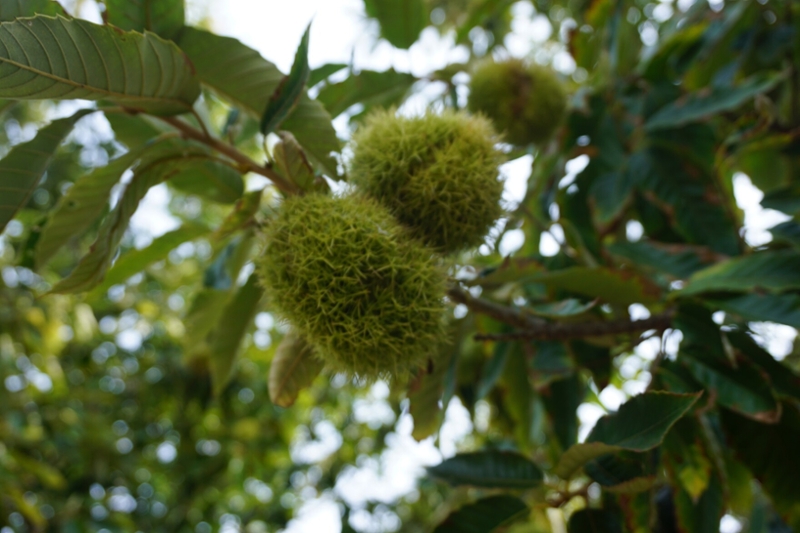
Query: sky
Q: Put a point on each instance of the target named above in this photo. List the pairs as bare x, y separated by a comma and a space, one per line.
342, 33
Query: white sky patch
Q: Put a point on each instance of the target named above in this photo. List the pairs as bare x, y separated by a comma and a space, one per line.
153, 219
757, 220
321, 514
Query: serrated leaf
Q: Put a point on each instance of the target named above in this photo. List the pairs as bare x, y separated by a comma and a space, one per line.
58, 58
292, 162
640, 425
620, 473
708, 102
293, 368
240, 75
25, 164
228, 335
136, 261
775, 467
785, 381
489, 469
741, 388
83, 203
289, 90
677, 261
780, 308
368, 88
770, 270
92, 267
613, 286
483, 516
13, 9
594, 521
164, 17
401, 20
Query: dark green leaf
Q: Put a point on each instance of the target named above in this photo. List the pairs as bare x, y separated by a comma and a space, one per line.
677, 261
164, 17
293, 368
788, 232
12, 9
243, 77
705, 513
771, 270
23, 167
780, 308
401, 20
241, 215
639, 425
705, 103
60, 58
561, 400
785, 381
226, 338
134, 130
786, 199
483, 516
594, 521
741, 388
775, 466
369, 88
492, 370
489, 469
620, 472
289, 90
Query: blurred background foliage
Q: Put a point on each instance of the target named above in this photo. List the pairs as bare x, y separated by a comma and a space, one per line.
116, 413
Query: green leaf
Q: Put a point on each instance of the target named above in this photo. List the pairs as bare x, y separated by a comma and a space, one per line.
785, 380
492, 370
788, 232
241, 215
639, 425
134, 130
369, 88
677, 261
83, 203
136, 261
565, 308
483, 516
164, 17
707, 102
776, 465
92, 267
25, 164
770, 270
489, 469
561, 400
240, 75
620, 472
426, 390
59, 58
401, 20
741, 388
292, 162
780, 308
289, 90
322, 73
293, 368
12, 9
786, 199
703, 514
594, 521
613, 286
227, 337
210, 179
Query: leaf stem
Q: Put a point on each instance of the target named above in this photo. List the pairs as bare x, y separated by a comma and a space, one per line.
226, 149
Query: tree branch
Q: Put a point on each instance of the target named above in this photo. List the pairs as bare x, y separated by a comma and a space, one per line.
532, 328
231, 152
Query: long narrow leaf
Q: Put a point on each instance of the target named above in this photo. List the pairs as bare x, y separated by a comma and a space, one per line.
45, 57
290, 89
23, 167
